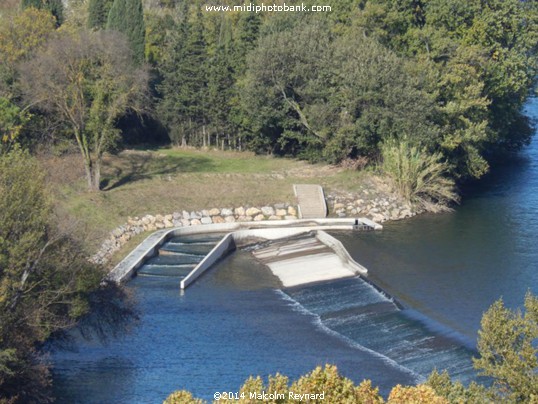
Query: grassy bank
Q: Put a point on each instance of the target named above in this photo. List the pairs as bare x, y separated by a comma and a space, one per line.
166, 180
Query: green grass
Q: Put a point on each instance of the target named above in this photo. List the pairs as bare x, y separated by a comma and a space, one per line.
163, 181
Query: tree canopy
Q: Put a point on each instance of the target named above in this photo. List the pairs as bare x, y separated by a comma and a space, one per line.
91, 82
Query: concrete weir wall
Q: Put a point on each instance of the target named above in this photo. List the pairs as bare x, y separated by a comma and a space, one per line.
237, 232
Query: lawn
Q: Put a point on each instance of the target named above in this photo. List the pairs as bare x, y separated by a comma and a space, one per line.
136, 183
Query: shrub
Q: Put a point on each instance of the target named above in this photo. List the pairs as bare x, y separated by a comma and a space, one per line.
418, 176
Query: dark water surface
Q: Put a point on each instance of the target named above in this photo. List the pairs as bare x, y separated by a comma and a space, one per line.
235, 321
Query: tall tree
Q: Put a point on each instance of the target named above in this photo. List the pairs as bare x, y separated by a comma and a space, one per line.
183, 107
127, 17
98, 13
89, 81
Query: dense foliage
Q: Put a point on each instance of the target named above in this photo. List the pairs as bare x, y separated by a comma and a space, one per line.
46, 282
449, 76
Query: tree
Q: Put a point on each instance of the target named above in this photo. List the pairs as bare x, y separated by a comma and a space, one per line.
98, 13
47, 284
89, 81
55, 7
508, 354
183, 107
127, 17
12, 120
19, 38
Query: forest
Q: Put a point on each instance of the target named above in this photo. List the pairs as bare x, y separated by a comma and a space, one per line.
425, 89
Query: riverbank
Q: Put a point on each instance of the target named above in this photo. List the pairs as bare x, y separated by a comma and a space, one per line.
151, 189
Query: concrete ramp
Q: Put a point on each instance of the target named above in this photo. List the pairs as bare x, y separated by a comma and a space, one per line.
311, 201
306, 260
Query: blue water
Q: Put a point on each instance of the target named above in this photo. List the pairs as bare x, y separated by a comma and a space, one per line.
445, 270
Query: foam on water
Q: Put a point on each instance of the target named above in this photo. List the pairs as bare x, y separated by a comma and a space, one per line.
361, 314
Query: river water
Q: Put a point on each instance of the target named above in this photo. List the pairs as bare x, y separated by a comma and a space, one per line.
445, 270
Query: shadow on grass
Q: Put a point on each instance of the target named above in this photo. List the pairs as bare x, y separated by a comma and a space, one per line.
136, 167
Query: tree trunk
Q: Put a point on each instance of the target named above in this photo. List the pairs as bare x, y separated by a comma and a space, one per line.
96, 180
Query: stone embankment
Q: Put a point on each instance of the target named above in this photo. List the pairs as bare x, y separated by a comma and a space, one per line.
378, 207
136, 225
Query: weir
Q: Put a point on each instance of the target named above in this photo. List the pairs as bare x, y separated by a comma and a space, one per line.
181, 252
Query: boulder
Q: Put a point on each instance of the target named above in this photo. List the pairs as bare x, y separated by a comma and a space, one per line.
281, 212
229, 219
268, 211
226, 212
214, 212
218, 219
252, 211
274, 217
258, 217
206, 220
292, 211
185, 222
240, 211
196, 222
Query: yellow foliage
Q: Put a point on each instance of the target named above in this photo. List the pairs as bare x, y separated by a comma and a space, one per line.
182, 397
26, 32
420, 394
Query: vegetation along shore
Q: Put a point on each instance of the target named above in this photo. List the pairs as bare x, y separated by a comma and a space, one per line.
121, 112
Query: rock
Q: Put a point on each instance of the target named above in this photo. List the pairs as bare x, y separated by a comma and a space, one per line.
268, 211
145, 220
395, 214
359, 202
204, 213
195, 222
195, 215
290, 217
258, 217
341, 214
353, 211
169, 217
168, 223
405, 213
338, 206
117, 233
229, 219
292, 211
151, 227
177, 223
226, 212
252, 211
159, 225
206, 220
159, 218
176, 216
185, 222
186, 215
218, 219
239, 211
280, 206
274, 217
244, 219
281, 212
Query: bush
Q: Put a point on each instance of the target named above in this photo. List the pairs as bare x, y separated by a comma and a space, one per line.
420, 177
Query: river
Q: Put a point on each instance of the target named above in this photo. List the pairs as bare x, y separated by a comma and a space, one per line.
445, 269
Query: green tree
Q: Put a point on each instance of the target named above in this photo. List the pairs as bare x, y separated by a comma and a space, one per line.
46, 282
508, 354
183, 105
55, 7
98, 13
127, 17
89, 81
12, 121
